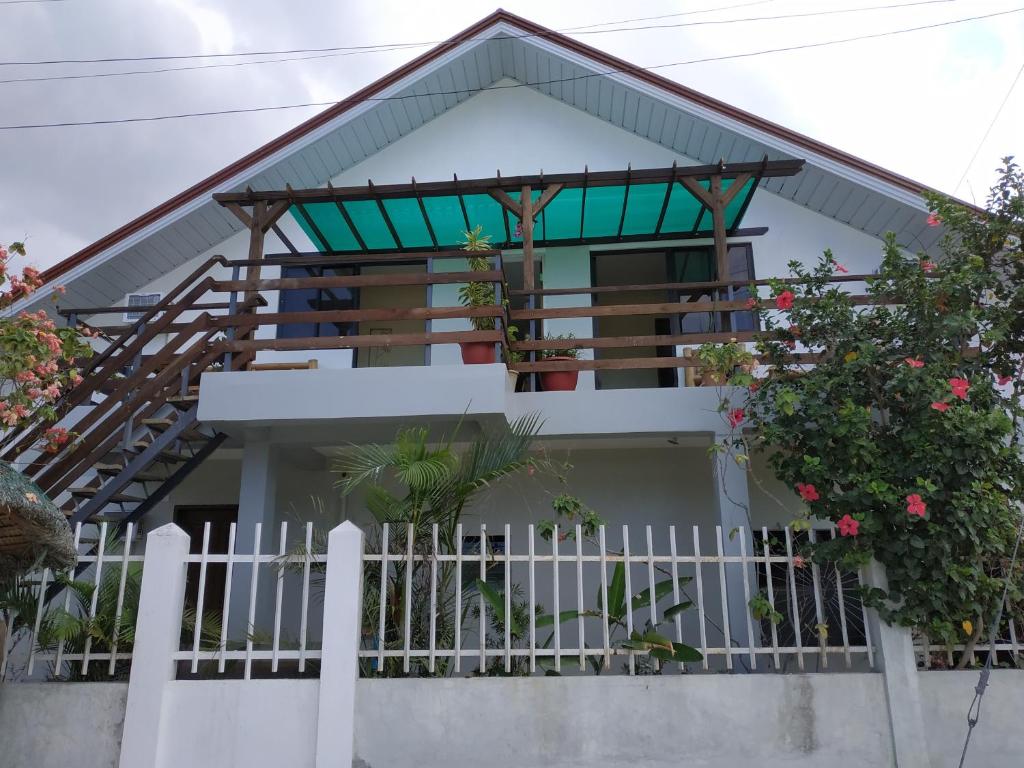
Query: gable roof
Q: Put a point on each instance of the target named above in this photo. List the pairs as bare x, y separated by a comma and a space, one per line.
836, 183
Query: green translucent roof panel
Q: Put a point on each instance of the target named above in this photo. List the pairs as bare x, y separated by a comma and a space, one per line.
408, 222
331, 225
367, 218
576, 214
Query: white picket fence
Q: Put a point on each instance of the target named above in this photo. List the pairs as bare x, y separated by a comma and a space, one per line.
425, 614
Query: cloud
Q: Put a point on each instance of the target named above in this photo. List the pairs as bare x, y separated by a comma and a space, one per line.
916, 103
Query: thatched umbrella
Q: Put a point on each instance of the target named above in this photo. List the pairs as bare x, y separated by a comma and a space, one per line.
33, 532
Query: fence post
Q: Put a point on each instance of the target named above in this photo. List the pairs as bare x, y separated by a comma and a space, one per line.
339, 664
895, 649
157, 637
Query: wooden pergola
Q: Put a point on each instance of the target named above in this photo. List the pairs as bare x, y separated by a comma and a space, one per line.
679, 202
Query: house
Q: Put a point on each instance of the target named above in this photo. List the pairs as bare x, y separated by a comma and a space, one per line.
304, 300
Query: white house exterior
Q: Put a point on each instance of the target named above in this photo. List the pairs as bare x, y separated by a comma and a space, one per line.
505, 98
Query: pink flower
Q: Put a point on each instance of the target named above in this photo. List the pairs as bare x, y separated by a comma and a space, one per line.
754, 386
519, 230
799, 562
60, 289
807, 492
848, 526
934, 220
76, 379
914, 505
52, 392
1004, 380
735, 417
940, 407
913, 362
839, 267
751, 303
10, 418
35, 393
784, 300
24, 377
928, 266
959, 387
21, 411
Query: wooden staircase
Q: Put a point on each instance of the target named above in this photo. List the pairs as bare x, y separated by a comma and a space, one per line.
135, 416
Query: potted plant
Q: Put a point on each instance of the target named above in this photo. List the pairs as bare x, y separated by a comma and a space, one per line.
559, 381
478, 295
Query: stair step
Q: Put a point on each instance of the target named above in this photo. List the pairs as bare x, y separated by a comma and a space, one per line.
189, 435
160, 424
183, 402
140, 477
117, 498
139, 446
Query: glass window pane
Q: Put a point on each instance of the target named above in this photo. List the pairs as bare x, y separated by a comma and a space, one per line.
298, 300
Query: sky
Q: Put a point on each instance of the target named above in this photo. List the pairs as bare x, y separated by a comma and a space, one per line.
917, 103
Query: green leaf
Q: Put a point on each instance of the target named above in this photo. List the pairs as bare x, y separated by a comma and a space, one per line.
548, 619
678, 608
496, 600
661, 590
617, 593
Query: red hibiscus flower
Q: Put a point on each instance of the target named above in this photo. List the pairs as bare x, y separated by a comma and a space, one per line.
934, 220
735, 417
807, 492
784, 300
914, 505
928, 266
959, 387
848, 526
913, 362
940, 407
751, 303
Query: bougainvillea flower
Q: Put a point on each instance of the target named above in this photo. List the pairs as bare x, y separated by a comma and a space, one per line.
735, 417
848, 526
784, 300
915, 506
913, 362
839, 267
934, 220
807, 492
959, 387
940, 407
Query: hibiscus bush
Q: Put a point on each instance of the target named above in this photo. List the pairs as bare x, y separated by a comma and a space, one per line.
37, 359
897, 415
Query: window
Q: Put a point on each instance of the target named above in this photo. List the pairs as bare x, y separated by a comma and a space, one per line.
829, 579
142, 300
471, 561
316, 299
697, 265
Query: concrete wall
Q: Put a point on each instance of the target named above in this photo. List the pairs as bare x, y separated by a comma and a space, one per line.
837, 720
56, 725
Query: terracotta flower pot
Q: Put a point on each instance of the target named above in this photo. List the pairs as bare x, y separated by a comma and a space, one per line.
559, 381
477, 352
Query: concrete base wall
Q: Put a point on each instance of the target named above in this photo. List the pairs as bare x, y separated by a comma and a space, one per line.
722, 720
57, 725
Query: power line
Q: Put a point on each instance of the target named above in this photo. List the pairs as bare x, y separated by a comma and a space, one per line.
991, 125
402, 46
23, 2
459, 92
396, 46
669, 15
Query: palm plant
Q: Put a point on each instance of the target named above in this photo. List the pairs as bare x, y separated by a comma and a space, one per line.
437, 482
